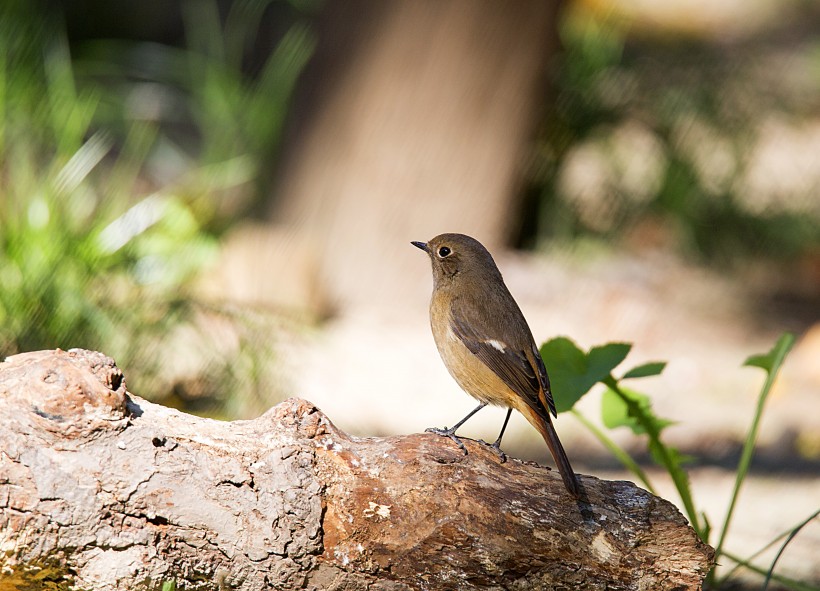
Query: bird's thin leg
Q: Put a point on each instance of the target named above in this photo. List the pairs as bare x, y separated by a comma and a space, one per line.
451, 432
497, 445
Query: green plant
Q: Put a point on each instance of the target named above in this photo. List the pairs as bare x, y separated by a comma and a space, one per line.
219, 118
96, 249
82, 263
573, 372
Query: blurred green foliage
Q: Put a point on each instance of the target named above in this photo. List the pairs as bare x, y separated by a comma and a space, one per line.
220, 122
650, 140
105, 220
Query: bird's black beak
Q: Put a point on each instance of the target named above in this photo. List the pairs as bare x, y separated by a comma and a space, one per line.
421, 245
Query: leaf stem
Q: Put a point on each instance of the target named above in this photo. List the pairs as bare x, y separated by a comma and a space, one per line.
663, 453
778, 355
620, 454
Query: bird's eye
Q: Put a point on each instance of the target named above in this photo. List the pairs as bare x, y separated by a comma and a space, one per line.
444, 251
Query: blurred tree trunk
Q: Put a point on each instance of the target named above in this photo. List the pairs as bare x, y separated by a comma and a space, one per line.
415, 118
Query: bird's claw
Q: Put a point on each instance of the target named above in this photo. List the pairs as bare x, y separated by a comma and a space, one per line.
496, 447
451, 433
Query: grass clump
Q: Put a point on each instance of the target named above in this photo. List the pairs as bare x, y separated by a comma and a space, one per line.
106, 220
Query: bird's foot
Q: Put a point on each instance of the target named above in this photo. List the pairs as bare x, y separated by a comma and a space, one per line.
496, 447
451, 433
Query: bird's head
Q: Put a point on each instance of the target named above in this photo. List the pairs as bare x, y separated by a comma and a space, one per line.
456, 257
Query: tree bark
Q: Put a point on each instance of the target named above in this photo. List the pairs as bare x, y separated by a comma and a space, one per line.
104, 490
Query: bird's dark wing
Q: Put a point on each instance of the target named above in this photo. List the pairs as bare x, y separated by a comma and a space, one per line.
522, 370
546, 398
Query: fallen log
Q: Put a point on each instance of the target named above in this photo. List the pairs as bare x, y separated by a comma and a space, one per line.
101, 489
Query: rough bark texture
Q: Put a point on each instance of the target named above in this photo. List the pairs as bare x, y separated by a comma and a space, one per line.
104, 490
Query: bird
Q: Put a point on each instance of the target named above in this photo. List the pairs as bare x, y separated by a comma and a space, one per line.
487, 345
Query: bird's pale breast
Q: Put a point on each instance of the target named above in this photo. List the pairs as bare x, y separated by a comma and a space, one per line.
474, 377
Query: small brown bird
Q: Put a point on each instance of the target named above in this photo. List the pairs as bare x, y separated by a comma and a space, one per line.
486, 344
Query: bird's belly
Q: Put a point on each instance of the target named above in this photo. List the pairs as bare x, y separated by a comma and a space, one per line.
483, 386
474, 377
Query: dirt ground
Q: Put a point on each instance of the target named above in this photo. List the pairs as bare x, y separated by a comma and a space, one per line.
375, 371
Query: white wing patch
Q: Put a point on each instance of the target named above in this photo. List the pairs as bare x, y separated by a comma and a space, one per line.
497, 345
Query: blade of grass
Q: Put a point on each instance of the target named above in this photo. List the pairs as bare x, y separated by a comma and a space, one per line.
620, 454
771, 363
771, 543
793, 533
785, 581
83, 162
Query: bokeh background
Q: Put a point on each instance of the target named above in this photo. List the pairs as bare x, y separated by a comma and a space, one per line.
221, 194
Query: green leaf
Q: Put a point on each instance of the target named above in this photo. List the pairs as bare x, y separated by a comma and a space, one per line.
778, 352
652, 368
573, 372
605, 358
630, 409
615, 412
567, 368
